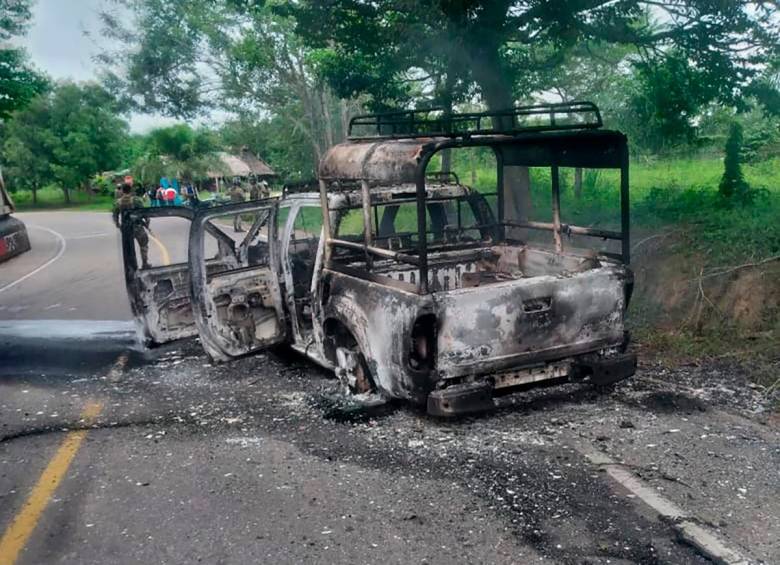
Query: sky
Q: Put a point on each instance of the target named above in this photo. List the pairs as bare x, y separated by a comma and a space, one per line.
58, 44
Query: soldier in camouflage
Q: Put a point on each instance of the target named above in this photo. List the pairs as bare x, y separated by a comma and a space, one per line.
128, 201
237, 195
265, 192
254, 188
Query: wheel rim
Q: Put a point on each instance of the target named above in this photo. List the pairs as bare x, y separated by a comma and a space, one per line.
352, 370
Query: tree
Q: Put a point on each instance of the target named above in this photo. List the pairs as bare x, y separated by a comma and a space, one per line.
14, 17
732, 184
177, 151
239, 56
74, 131
508, 49
666, 97
285, 150
18, 82
25, 147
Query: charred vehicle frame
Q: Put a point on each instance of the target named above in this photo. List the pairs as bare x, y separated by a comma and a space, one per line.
449, 313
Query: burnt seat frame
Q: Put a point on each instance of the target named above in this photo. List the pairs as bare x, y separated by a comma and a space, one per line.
572, 144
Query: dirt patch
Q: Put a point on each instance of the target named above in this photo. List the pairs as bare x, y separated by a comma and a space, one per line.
752, 298
676, 289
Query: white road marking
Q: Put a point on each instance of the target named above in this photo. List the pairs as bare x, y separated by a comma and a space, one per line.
706, 541
63, 246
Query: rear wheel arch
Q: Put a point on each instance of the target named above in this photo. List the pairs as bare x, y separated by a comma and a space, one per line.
336, 333
342, 348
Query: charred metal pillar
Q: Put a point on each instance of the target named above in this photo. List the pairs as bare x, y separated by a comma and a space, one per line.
500, 194
368, 232
625, 207
325, 221
422, 222
556, 207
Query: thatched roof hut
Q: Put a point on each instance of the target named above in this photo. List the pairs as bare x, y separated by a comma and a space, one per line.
242, 166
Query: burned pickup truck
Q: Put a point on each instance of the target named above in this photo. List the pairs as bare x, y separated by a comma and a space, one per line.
410, 284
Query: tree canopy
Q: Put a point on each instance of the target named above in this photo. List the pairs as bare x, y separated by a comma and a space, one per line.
302, 68
176, 151
65, 136
19, 83
14, 17
186, 59
507, 50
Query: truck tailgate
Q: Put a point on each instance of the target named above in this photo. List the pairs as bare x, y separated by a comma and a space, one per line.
528, 320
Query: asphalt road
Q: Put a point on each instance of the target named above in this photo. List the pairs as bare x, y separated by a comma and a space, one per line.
114, 454
74, 270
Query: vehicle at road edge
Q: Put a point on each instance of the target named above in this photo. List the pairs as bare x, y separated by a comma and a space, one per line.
410, 284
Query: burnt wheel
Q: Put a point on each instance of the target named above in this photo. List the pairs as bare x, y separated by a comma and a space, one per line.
352, 369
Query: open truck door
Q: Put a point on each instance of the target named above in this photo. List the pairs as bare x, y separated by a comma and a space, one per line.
159, 293
239, 308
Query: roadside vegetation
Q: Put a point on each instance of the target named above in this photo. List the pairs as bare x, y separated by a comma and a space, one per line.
50, 198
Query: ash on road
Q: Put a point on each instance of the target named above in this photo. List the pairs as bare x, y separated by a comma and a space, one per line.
250, 461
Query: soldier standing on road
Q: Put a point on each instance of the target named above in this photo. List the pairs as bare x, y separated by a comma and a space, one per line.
237, 195
265, 192
128, 201
254, 189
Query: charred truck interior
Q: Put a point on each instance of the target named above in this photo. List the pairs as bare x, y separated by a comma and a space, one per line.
409, 283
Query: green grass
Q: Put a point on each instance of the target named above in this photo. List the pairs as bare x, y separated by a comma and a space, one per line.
669, 194
52, 198
684, 195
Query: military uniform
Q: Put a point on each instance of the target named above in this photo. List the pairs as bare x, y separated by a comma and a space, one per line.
265, 192
129, 202
254, 191
237, 195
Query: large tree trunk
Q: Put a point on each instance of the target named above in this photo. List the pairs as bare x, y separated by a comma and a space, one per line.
34, 189
66, 193
446, 161
328, 125
449, 84
497, 93
344, 119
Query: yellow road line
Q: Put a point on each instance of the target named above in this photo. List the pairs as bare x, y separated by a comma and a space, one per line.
163, 250
20, 530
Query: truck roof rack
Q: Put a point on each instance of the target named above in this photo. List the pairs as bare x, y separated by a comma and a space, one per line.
435, 122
